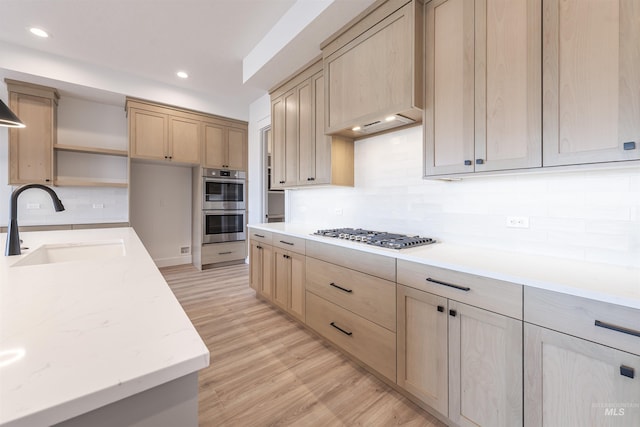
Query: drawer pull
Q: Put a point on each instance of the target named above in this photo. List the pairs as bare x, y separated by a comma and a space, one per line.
258, 235
285, 256
258, 247
225, 253
340, 329
441, 309
627, 371
287, 243
453, 313
340, 287
618, 328
451, 285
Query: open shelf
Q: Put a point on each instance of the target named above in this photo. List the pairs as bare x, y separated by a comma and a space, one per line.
91, 150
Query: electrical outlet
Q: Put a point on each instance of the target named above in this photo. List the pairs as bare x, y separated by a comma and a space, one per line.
33, 205
98, 206
518, 221
184, 250
338, 211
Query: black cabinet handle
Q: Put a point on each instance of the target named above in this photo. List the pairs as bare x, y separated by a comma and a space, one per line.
311, 179
225, 253
627, 371
453, 313
479, 161
287, 243
340, 329
281, 182
441, 309
285, 256
340, 287
451, 285
631, 145
617, 328
258, 247
258, 235
467, 162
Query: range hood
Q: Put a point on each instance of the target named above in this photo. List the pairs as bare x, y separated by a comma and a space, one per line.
389, 122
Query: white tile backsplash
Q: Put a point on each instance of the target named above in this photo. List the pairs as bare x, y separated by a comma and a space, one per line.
586, 215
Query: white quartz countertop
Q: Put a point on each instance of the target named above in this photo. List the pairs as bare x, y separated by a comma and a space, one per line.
78, 335
602, 282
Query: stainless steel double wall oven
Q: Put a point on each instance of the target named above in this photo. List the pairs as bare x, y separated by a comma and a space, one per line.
223, 205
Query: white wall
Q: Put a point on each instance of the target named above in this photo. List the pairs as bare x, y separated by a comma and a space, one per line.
161, 210
259, 117
79, 123
592, 216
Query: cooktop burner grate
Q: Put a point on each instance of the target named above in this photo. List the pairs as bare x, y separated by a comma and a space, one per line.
376, 238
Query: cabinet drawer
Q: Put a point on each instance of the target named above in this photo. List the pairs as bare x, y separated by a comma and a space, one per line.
294, 244
493, 295
372, 344
224, 252
260, 236
374, 264
368, 296
609, 324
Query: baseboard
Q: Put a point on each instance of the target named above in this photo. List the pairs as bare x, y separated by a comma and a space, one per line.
169, 262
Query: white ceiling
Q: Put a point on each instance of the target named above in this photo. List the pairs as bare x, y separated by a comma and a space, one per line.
153, 39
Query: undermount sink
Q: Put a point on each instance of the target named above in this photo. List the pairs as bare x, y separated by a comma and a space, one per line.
67, 252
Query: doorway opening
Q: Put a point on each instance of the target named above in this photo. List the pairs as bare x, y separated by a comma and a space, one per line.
272, 200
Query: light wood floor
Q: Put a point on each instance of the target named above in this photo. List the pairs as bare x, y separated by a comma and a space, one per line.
266, 370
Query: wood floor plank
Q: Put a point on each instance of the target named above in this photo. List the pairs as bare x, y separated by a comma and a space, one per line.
267, 370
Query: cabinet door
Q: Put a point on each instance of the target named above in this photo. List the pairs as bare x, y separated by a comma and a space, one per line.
237, 149
306, 134
591, 81
278, 159
184, 140
290, 138
574, 382
508, 85
422, 346
297, 285
148, 134
322, 143
282, 278
267, 271
31, 148
449, 103
485, 367
214, 145
255, 266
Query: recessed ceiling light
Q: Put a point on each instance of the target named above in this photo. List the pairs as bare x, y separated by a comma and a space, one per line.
182, 74
390, 118
355, 128
39, 32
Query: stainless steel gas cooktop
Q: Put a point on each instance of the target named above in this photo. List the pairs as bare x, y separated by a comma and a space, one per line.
376, 238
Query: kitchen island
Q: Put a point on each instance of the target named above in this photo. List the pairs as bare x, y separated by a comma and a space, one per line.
91, 334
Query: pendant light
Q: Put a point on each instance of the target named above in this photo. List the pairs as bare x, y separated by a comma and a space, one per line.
7, 118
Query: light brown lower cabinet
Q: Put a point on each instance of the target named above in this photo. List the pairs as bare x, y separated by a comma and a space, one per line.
261, 268
574, 382
362, 338
463, 361
289, 282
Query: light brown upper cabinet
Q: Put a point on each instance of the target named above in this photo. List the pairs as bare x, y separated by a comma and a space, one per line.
373, 71
302, 154
225, 146
31, 147
161, 133
483, 86
591, 81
